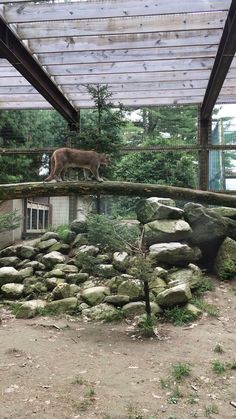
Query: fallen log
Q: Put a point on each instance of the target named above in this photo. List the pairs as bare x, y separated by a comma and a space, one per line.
33, 189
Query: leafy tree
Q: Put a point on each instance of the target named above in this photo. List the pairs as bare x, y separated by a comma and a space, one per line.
27, 129
9, 221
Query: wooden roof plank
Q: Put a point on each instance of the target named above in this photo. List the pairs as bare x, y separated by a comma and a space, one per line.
134, 77
115, 42
145, 102
130, 54
129, 67
142, 94
25, 12
89, 27
25, 105
139, 86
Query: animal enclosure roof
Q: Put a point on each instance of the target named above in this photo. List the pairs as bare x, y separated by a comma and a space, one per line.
149, 53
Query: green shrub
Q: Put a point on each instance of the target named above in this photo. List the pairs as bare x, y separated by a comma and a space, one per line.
180, 371
178, 315
228, 270
10, 220
218, 367
113, 235
210, 309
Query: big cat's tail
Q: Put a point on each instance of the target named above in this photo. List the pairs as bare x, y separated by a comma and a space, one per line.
51, 176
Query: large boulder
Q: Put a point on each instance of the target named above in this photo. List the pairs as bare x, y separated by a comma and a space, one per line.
26, 272
191, 275
175, 295
60, 247
66, 305
44, 245
79, 226
174, 253
225, 212
49, 235
26, 252
225, 262
62, 290
137, 308
117, 299
8, 251
163, 231
12, 290
9, 261
87, 249
131, 287
105, 270
95, 295
121, 261
30, 309
208, 230
101, 312
151, 209
53, 258
9, 275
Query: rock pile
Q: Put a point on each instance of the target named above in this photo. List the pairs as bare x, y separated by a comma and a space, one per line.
73, 275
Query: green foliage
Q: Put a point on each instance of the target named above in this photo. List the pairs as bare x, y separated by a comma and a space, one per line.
218, 349
100, 128
10, 220
111, 234
210, 309
180, 370
167, 168
232, 365
178, 315
88, 263
115, 316
192, 399
175, 396
162, 126
218, 367
205, 285
165, 383
28, 129
228, 270
146, 325
211, 410
62, 231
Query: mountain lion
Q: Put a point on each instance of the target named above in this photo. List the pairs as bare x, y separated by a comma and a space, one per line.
65, 157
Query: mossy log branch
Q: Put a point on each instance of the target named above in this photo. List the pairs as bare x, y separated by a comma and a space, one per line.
28, 190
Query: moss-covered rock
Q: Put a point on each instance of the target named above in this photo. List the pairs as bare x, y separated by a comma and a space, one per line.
225, 262
95, 295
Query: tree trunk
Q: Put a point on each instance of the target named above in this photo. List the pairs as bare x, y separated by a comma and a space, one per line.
24, 190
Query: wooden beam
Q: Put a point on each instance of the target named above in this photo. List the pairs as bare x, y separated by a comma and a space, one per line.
16, 53
23, 190
223, 60
110, 26
41, 11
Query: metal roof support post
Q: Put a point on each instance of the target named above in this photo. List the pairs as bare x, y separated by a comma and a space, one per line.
12, 49
73, 198
223, 60
204, 138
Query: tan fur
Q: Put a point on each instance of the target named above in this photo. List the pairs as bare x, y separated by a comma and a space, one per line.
89, 160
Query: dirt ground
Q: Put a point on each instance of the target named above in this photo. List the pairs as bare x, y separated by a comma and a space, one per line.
66, 369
